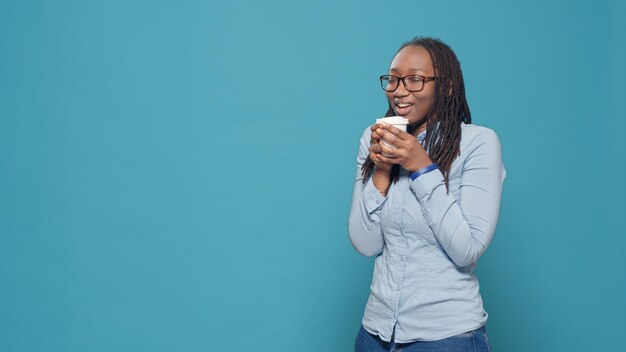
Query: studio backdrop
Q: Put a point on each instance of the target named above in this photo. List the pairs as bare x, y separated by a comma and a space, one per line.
176, 176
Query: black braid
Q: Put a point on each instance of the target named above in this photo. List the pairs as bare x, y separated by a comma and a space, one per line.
443, 132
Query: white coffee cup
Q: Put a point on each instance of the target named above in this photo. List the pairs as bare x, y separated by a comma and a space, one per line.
397, 121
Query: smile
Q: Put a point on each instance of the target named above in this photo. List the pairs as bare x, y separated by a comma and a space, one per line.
403, 108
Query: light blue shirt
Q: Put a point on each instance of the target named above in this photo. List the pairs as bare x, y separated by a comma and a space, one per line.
427, 241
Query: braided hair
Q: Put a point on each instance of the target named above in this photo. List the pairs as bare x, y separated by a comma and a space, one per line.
443, 131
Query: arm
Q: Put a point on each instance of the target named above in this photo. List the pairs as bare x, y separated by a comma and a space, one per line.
465, 228
367, 202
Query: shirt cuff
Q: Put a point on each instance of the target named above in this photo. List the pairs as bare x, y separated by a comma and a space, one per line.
372, 199
426, 183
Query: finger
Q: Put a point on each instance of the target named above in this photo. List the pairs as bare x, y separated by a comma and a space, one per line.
374, 148
386, 159
400, 134
374, 127
388, 150
375, 158
379, 130
390, 138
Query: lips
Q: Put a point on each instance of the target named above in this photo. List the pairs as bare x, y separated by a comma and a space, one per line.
403, 108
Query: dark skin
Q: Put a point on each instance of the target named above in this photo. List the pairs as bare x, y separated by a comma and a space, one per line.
408, 152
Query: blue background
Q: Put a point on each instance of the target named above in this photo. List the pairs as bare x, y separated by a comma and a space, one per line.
176, 176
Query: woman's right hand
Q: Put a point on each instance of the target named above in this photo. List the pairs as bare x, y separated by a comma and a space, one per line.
375, 151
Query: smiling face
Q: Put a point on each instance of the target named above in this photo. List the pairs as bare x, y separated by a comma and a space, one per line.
412, 60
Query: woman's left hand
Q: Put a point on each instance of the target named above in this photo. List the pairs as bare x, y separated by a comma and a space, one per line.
408, 152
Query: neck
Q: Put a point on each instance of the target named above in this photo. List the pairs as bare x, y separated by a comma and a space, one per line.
420, 129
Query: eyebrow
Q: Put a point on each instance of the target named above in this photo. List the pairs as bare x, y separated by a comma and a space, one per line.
393, 69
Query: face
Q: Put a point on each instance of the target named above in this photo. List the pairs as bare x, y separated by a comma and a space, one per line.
412, 60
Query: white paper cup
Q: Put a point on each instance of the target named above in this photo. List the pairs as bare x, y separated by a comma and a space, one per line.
397, 121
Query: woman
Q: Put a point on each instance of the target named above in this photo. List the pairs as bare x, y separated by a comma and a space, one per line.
428, 210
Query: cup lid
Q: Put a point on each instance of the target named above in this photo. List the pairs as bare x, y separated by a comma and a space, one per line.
393, 120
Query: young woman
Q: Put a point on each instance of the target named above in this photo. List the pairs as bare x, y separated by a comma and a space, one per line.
428, 210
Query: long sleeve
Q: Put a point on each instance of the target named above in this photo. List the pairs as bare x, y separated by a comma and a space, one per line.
367, 202
464, 228
424, 286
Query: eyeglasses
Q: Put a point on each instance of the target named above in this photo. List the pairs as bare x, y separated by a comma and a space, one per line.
414, 83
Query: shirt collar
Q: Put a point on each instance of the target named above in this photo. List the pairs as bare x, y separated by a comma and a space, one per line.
421, 136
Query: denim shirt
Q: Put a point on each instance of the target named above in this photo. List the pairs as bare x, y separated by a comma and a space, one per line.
427, 241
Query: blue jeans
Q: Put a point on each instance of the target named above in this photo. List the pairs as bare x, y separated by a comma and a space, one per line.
474, 341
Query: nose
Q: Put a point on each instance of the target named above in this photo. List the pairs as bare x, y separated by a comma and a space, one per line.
401, 90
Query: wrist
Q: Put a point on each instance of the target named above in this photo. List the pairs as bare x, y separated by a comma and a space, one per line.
418, 165
424, 170
382, 181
